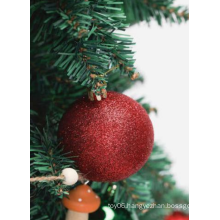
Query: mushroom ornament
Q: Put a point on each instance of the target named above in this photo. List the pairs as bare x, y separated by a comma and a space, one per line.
81, 201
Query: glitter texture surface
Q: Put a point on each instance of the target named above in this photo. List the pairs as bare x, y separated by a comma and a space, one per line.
109, 139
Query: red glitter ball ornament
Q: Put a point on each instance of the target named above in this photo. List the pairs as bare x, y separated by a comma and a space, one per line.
109, 139
177, 216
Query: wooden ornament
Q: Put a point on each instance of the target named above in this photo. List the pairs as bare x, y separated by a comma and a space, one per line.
80, 202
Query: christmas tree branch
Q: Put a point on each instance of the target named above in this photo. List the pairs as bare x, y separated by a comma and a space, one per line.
47, 159
146, 10
79, 38
147, 187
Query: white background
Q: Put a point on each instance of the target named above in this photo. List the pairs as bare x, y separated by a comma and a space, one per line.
162, 59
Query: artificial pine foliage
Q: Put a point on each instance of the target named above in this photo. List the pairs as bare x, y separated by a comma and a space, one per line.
79, 46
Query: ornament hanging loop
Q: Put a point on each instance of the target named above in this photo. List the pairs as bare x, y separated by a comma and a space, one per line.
69, 177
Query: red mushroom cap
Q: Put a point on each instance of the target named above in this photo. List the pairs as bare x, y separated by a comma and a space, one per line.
82, 199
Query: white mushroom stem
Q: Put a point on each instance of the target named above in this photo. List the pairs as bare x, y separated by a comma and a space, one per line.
72, 215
